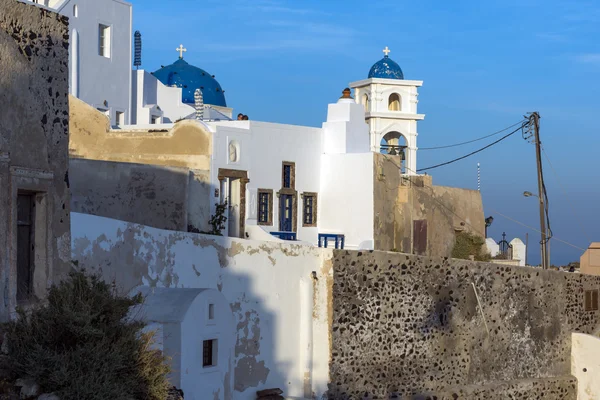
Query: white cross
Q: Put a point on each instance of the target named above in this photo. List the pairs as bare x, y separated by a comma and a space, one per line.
181, 50
386, 51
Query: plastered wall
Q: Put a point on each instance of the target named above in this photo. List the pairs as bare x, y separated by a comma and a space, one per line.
279, 295
34, 138
399, 201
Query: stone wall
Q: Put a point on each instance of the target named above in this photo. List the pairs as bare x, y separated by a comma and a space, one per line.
34, 138
147, 194
411, 325
400, 200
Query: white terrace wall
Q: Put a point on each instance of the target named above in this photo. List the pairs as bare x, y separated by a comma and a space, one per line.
278, 294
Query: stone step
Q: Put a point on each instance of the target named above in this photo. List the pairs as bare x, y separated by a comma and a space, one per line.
552, 388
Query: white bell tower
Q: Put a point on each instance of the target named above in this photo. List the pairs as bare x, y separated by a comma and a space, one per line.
390, 104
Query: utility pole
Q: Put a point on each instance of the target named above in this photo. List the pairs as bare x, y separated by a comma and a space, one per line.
535, 120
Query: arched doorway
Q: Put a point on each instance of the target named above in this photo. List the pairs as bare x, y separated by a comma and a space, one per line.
394, 144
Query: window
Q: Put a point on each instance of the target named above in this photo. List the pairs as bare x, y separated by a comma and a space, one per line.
394, 103
120, 118
25, 240
265, 207
211, 311
104, 40
309, 215
289, 178
75, 11
591, 300
209, 353
155, 120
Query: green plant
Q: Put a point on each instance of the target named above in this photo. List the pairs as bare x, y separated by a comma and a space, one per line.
80, 344
468, 244
217, 221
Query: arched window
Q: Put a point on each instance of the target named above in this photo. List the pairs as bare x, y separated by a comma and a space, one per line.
75, 11
365, 101
395, 144
394, 103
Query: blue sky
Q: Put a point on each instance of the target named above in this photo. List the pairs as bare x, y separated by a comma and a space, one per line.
484, 65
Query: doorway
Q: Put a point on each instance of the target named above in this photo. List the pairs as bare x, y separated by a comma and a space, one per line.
233, 205
233, 189
286, 208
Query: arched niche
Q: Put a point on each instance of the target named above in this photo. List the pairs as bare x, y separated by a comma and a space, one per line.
395, 102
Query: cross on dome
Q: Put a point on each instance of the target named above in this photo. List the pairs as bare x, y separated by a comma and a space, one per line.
181, 50
386, 51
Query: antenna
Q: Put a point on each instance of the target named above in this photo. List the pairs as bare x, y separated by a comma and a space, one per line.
478, 177
137, 58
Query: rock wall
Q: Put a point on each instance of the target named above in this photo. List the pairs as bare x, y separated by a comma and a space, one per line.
400, 200
411, 325
34, 121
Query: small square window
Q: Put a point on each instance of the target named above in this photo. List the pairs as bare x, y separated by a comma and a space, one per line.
104, 40
591, 300
209, 353
155, 120
309, 215
211, 311
265, 207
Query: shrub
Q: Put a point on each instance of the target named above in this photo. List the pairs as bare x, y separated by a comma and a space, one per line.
81, 345
468, 244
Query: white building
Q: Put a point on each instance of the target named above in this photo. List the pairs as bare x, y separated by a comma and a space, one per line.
99, 54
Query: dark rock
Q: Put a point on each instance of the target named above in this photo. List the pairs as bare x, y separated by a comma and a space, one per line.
272, 397
268, 392
175, 394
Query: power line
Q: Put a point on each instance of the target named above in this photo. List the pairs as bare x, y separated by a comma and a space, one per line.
491, 209
471, 141
476, 151
566, 195
534, 229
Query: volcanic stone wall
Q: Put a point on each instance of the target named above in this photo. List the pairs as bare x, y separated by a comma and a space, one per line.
34, 140
411, 326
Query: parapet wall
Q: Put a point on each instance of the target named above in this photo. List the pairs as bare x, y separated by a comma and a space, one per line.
411, 325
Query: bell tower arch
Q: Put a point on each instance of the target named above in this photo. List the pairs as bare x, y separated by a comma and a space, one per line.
390, 103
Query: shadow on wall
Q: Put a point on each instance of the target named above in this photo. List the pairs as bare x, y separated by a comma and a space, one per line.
133, 255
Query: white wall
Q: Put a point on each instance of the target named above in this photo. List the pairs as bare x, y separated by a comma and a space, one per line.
101, 78
345, 130
266, 285
519, 251
585, 365
263, 148
346, 194
148, 93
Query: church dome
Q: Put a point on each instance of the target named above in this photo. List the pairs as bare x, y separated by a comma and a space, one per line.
386, 68
189, 78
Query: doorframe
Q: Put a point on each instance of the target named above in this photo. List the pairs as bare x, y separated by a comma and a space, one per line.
294, 194
225, 173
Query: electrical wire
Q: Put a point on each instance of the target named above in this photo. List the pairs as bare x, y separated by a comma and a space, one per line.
534, 229
491, 209
476, 151
566, 195
471, 141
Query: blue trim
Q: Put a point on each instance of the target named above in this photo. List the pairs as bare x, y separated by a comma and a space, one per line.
285, 235
339, 240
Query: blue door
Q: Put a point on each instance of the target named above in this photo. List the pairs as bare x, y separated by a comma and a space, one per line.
285, 212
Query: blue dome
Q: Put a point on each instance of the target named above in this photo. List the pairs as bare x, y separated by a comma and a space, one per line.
190, 78
386, 68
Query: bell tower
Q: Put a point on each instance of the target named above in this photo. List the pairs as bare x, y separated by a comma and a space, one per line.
390, 103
